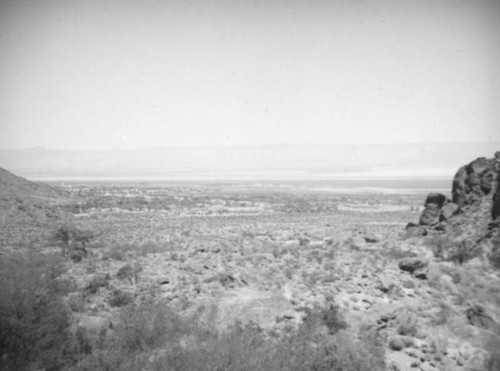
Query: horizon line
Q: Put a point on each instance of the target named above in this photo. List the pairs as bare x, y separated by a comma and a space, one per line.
248, 145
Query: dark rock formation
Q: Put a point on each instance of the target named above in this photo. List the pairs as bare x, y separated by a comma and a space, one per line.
472, 216
415, 230
437, 208
475, 201
435, 198
411, 265
476, 180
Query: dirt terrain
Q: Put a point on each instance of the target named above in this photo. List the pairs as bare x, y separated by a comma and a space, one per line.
267, 254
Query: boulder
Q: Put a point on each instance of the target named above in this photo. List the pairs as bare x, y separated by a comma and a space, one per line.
430, 216
411, 265
371, 238
415, 230
436, 199
421, 274
163, 280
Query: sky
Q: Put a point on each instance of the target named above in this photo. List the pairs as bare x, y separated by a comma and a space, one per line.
106, 74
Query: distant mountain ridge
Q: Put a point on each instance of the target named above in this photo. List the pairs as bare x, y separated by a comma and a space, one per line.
303, 160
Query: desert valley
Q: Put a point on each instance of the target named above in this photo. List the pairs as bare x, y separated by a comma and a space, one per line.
269, 275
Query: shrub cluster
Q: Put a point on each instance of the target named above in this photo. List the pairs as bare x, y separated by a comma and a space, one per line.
34, 322
35, 332
151, 336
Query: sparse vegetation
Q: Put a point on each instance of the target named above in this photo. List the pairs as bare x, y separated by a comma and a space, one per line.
209, 277
151, 335
34, 322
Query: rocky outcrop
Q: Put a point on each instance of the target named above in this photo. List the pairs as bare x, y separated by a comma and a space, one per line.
438, 208
475, 195
476, 180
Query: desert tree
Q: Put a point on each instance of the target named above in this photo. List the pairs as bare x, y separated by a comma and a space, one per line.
73, 239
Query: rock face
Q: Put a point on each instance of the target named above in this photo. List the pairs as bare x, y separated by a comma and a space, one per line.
477, 180
475, 200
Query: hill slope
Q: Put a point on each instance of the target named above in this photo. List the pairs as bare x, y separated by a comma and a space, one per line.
21, 199
13, 185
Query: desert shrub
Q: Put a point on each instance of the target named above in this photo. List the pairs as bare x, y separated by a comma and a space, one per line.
457, 251
140, 332
444, 313
148, 326
463, 251
276, 251
76, 301
439, 245
152, 248
438, 343
34, 322
314, 255
406, 323
119, 298
114, 253
129, 272
98, 281
330, 317
289, 272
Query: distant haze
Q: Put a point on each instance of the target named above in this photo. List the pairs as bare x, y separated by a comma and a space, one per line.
306, 161
129, 74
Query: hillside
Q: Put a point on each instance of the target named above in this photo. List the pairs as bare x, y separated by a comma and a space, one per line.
22, 199
12, 185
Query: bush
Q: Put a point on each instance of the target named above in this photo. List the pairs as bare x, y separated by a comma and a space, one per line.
329, 317
129, 272
119, 298
98, 281
114, 253
457, 251
406, 323
34, 322
151, 336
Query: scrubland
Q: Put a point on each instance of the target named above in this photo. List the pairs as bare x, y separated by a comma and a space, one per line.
231, 277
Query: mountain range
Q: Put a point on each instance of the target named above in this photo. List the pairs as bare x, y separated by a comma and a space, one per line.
263, 161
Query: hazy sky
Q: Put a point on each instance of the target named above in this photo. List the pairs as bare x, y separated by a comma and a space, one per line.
124, 74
